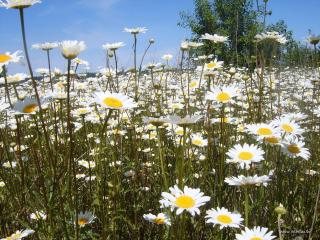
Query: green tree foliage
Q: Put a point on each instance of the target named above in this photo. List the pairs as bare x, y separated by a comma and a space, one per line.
241, 20
236, 19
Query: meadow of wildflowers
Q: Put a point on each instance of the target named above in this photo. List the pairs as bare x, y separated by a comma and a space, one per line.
197, 149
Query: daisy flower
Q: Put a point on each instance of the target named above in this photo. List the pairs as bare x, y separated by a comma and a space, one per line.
198, 140
18, 77
136, 30
213, 65
295, 148
224, 218
248, 180
185, 121
45, 46
222, 94
245, 154
18, 3
159, 219
113, 46
190, 199
167, 57
19, 235
265, 132
85, 218
288, 126
194, 84
27, 106
274, 36
114, 100
38, 215
257, 233
154, 121
8, 57
87, 164
71, 49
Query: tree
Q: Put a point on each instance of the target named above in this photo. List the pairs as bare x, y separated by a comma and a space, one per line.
233, 18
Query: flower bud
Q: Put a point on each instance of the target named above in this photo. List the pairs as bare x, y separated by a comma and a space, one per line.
280, 210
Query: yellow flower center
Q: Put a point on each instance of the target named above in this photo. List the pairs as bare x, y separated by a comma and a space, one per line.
82, 221
185, 202
264, 131
193, 84
82, 111
159, 220
293, 148
153, 134
30, 108
225, 219
273, 140
225, 120
4, 58
197, 142
256, 238
245, 156
287, 128
179, 132
211, 65
113, 102
223, 97
16, 236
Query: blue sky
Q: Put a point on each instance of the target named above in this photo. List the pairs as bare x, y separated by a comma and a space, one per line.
99, 21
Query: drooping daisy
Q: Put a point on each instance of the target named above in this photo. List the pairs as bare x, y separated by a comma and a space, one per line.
190, 199
185, 121
19, 235
273, 36
45, 46
224, 218
257, 233
154, 121
27, 106
113, 46
136, 30
18, 3
7, 58
159, 219
245, 154
198, 140
71, 49
81, 111
295, 148
222, 94
114, 100
85, 218
248, 180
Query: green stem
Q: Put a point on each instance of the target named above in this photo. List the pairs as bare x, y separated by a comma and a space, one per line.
246, 205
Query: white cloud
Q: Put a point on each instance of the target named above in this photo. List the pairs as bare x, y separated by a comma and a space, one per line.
98, 4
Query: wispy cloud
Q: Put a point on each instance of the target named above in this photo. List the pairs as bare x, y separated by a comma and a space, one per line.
101, 5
